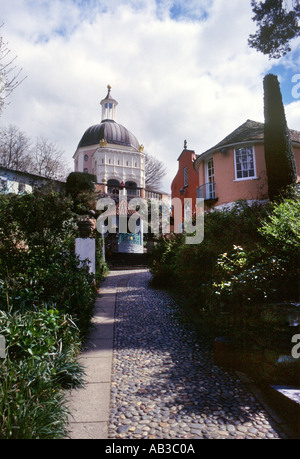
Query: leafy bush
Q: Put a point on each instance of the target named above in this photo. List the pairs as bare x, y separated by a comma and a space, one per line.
37, 234
248, 278
80, 187
78, 182
282, 227
42, 219
222, 230
30, 407
249, 258
101, 266
40, 362
163, 260
46, 303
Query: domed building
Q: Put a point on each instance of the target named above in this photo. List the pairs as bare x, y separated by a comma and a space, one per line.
112, 153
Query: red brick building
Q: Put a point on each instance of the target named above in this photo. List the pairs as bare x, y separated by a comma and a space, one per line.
184, 185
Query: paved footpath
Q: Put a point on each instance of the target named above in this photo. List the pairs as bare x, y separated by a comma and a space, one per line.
150, 378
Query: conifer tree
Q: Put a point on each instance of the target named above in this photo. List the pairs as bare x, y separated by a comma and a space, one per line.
279, 154
278, 23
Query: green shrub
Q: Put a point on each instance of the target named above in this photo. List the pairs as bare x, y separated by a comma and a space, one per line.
62, 282
78, 182
38, 264
80, 186
101, 266
41, 361
38, 333
249, 257
163, 260
249, 278
282, 227
30, 407
46, 303
192, 266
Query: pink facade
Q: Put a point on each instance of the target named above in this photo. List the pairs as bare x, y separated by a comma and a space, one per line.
184, 185
83, 163
235, 168
227, 187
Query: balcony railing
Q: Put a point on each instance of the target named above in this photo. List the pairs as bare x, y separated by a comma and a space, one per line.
132, 192
207, 191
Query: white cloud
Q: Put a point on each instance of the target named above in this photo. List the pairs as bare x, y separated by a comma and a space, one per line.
292, 115
174, 77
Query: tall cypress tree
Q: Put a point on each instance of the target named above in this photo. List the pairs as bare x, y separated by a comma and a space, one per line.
279, 154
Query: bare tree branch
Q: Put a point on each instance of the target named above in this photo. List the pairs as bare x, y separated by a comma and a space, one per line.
15, 148
48, 160
18, 152
155, 171
9, 80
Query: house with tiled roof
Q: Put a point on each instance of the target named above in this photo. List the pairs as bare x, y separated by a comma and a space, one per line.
235, 168
15, 181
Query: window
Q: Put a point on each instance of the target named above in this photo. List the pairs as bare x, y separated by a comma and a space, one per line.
210, 178
187, 212
185, 176
3, 185
244, 163
21, 187
210, 173
113, 186
86, 171
86, 157
130, 185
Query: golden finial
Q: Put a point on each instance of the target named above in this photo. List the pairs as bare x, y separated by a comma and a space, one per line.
109, 87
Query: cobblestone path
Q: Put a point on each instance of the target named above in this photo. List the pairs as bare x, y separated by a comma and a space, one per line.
165, 383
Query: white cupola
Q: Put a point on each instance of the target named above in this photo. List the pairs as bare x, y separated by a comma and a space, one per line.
109, 107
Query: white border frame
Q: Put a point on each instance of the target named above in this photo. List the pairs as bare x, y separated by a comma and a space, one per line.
236, 179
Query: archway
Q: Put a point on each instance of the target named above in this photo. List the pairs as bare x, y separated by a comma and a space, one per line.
113, 186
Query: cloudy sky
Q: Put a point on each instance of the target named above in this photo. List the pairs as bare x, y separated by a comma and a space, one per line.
180, 70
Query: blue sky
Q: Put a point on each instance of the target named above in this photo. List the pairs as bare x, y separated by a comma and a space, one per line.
288, 70
179, 70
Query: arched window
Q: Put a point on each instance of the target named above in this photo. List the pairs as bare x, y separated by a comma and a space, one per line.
113, 186
131, 185
131, 188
